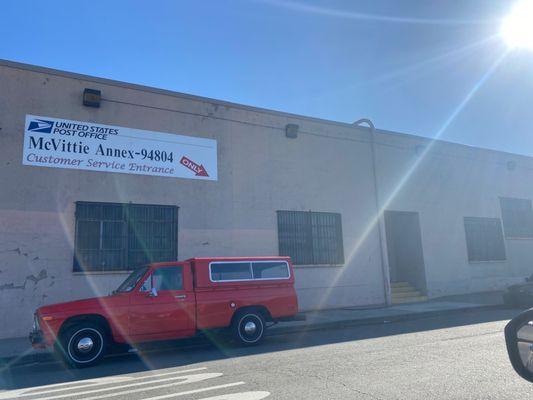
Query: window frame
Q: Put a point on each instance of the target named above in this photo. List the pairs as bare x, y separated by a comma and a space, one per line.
251, 271
307, 232
271, 279
146, 269
126, 220
498, 224
151, 279
507, 235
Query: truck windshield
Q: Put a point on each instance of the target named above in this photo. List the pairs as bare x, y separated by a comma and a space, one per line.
131, 281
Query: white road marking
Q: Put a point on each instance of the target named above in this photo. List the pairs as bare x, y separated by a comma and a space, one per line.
81, 384
92, 383
107, 379
191, 379
24, 392
182, 380
239, 396
61, 386
167, 396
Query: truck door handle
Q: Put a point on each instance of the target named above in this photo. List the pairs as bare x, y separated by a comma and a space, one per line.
180, 296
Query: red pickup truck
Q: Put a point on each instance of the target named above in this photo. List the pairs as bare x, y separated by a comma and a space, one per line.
172, 300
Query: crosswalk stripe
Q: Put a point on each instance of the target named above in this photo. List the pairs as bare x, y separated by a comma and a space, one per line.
256, 395
167, 396
186, 377
125, 392
91, 384
95, 382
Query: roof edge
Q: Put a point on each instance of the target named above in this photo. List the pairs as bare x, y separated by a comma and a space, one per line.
171, 93
166, 92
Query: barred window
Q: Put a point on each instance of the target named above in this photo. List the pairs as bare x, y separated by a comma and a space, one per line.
484, 239
114, 237
517, 217
310, 237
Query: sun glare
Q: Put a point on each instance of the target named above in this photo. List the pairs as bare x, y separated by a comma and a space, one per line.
517, 27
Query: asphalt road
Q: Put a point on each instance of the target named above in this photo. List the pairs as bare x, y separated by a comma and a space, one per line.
453, 357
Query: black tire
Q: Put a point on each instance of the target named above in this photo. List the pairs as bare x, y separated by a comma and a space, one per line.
83, 344
248, 327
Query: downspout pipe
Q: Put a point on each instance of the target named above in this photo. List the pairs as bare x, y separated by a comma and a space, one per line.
379, 212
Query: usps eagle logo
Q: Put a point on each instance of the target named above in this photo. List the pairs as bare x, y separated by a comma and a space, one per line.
40, 125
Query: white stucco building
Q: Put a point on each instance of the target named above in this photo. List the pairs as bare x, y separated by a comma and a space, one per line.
242, 181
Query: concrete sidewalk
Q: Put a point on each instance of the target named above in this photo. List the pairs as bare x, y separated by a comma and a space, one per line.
401, 312
19, 351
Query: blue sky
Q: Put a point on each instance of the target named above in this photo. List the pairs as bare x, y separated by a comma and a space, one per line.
409, 65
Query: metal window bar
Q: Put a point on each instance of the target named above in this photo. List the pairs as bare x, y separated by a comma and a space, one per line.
517, 215
111, 236
152, 234
310, 237
484, 239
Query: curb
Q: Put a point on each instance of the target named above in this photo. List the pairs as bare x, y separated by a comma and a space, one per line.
282, 330
47, 357
15, 361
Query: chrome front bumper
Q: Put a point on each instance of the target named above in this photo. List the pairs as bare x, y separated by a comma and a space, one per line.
37, 339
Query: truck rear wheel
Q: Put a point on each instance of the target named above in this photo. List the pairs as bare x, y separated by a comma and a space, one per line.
248, 328
83, 345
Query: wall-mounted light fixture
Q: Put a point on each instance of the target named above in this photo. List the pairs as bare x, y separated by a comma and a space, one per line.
291, 131
91, 97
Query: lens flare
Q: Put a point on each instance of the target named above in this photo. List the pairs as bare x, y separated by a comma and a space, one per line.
517, 27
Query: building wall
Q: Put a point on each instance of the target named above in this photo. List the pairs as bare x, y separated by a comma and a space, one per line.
260, 171
327, 168
446, 183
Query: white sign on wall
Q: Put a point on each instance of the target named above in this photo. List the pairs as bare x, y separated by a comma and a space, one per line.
61, 143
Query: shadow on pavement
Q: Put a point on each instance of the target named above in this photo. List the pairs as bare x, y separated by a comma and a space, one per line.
201, 350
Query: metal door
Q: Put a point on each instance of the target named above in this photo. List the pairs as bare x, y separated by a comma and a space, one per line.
404, 248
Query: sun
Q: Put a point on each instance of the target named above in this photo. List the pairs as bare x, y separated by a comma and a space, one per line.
517, 27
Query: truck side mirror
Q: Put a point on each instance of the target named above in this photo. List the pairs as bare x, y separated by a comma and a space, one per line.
519, 340
153, 292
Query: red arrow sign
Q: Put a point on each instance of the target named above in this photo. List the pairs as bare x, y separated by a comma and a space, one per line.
199, 170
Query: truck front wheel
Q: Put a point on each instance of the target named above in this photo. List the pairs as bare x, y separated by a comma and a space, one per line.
83, 345
248, 328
